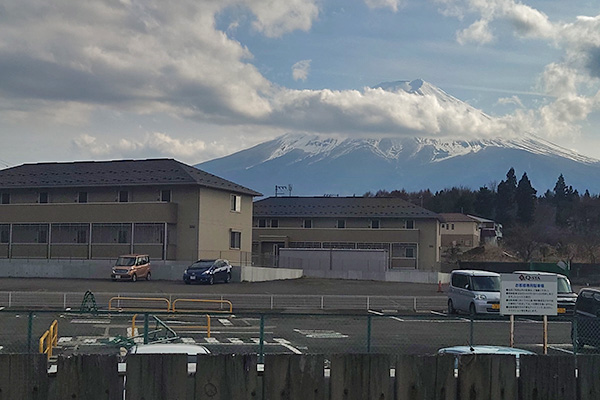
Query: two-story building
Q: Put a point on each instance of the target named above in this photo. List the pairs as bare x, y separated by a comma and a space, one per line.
409, 233
94, 210
465, 231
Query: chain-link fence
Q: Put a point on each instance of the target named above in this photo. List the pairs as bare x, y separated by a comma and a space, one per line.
274, 333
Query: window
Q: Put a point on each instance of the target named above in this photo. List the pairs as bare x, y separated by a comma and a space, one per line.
123, 235
374, 224
452, 226
236, 203
123, 196
235, 240
410, 224
274, 223
165, 195
341, 223
262, 223
5, 198
82, 197
410, 252
82, 236
43, 197
42, 236
307, 223
4, 233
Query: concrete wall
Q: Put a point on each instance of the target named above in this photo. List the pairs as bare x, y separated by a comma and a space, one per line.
100, 269
258, 274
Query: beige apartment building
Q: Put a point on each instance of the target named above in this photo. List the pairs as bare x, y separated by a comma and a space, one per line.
460, 231
409, 233
98, 210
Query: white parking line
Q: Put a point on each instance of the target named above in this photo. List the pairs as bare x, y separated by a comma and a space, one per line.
236, 340
225, 322
211, 340
375, 312
287, 345
188, 340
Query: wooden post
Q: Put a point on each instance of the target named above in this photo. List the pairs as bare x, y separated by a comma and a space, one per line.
23, 376
294, 377
226, 376
92, 376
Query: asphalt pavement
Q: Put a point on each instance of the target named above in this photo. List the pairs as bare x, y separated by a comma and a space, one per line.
308, 286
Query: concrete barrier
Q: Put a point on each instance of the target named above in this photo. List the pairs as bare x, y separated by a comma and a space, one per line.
260, 274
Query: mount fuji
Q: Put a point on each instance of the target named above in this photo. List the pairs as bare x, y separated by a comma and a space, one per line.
318, 165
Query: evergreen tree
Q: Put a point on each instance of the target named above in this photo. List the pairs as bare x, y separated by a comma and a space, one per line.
561, 199
525, 197
506, 209
485, 201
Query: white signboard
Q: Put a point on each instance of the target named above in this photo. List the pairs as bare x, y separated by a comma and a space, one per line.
528, 294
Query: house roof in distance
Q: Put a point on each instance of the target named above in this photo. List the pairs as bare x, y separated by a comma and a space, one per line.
457, 217
160, 171
372, 207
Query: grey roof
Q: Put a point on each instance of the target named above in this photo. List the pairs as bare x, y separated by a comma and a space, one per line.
373, 207
162, 171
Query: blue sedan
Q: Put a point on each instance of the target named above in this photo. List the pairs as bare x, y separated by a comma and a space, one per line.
208, 271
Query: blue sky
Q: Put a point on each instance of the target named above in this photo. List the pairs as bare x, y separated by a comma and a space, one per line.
200, 80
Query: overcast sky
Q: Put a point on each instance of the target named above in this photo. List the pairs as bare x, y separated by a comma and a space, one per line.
199, 79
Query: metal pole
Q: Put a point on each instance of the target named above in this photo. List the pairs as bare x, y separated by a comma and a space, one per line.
261, 340
369, 333
145, 328
545, 334
512, 330
29, 331
471, 326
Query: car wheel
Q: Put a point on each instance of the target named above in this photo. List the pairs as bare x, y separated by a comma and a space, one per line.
472, 310
228, 277
148, 276
186, 281
451, 309
134, 278
211, 280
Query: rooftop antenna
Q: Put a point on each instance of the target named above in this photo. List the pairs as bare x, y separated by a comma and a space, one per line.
280, 190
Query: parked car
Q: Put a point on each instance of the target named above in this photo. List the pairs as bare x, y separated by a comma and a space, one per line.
585, 328
566, 298
192, 351
474, 292
466, 350
208, 271
131, 267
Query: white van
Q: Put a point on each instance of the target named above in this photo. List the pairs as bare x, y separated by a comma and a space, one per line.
474, 292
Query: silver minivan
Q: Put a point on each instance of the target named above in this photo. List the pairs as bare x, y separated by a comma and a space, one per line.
474, 292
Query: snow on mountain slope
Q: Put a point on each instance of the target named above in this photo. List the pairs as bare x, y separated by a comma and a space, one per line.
318, 164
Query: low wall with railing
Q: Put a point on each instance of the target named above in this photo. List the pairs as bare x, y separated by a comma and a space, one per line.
343, 376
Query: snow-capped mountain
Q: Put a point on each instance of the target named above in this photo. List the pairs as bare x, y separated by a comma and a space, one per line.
317, 165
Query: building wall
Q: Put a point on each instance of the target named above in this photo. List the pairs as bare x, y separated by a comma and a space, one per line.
425, 236
218, 220
464, 234
197, 221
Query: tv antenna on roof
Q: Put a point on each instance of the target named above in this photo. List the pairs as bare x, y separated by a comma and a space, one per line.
280, 190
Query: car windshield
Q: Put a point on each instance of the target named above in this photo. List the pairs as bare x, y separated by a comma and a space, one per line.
202, 264
125, 261
564, 286
486, 283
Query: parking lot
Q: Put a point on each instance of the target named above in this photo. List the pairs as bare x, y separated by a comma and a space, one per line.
368, 316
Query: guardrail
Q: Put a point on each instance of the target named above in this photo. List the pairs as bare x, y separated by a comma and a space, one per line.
49, 339
142, 299
197, 301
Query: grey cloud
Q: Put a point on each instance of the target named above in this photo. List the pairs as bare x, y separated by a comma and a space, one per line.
593, 62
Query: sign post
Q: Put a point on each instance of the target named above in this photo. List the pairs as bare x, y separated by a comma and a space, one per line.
528, 294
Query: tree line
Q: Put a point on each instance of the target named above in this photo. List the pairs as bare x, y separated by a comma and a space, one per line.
561, 224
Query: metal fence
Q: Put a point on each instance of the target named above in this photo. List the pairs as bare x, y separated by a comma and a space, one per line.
241, 302
102, 332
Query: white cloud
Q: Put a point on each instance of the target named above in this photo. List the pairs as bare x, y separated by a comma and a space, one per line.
300, 70
478, 32
511, 100
275, 18
391, 4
